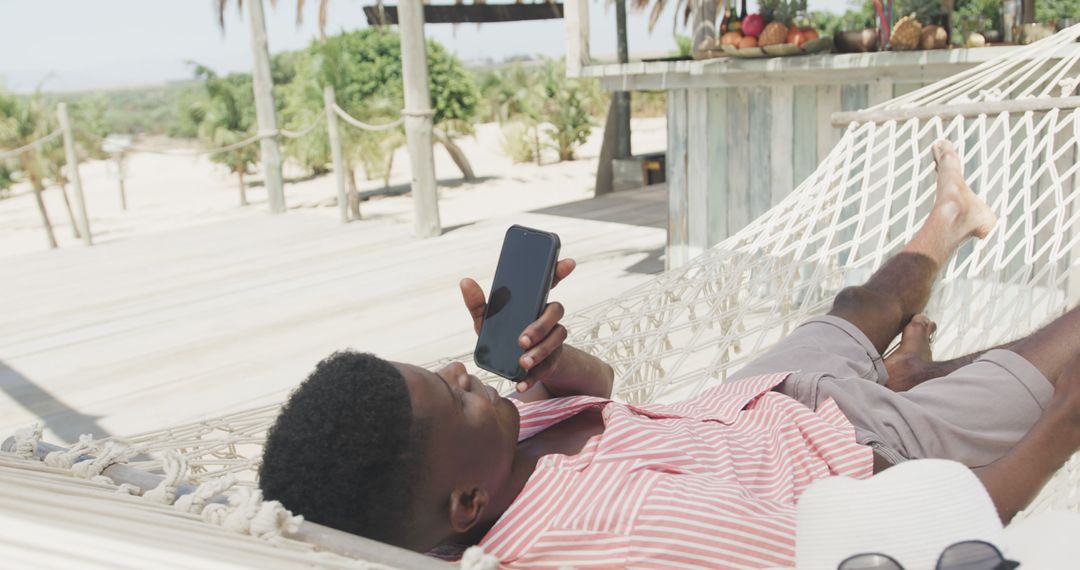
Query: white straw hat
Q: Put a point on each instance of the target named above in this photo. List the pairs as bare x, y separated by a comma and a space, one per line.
911, 512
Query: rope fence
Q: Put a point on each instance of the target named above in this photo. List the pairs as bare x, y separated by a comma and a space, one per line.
366, 126
4, 155
331, 112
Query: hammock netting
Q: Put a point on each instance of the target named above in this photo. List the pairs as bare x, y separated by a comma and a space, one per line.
1015, 124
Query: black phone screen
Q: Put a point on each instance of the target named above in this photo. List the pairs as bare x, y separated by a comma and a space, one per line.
518, 296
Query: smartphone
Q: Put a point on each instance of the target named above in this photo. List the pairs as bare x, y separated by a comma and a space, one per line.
518, 295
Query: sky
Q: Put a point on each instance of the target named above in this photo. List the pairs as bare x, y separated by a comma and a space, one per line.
64, 45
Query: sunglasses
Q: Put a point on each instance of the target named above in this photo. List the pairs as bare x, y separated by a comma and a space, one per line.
967, 555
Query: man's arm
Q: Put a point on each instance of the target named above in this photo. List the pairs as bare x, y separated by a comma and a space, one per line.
1014, 480
572, 373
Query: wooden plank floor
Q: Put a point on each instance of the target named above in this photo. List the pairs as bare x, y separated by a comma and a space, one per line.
144, 333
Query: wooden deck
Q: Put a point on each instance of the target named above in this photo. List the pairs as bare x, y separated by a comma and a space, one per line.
144, 333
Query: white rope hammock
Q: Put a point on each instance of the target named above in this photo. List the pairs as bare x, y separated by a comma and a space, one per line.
693, 326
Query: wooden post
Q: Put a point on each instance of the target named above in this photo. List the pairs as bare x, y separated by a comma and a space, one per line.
704, 22
678, 192
120, 177
262, 84
605, 171
622, 98
576, 15
329, 103
73, 172
418, 118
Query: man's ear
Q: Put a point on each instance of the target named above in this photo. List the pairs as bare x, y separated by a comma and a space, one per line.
466, 506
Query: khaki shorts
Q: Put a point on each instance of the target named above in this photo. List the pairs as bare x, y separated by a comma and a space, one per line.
974, 415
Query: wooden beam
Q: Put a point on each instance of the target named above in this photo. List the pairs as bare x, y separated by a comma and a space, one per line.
678, 243
469, 13
419, 120
262, 84
577, 36
965, 110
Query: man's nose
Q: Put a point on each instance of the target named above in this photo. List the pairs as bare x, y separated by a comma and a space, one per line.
454, 371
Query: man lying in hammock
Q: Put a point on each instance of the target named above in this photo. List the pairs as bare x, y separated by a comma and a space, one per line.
561, 475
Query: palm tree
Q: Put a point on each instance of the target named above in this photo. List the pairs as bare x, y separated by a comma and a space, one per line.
23, 121
229, 117
323, 4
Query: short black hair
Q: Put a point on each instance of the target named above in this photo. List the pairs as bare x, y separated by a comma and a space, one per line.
345, 450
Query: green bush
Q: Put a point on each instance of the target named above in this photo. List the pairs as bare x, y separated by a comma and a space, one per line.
6, 172
566, 110
364, 68
1047, 10
517, 141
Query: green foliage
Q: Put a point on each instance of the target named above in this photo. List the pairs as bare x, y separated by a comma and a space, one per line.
685, 45
535, 98
988, 9
648, 104
566, 110
828, 23
23, 120
6, 172
926, 11
228, 116
517, 141
364, 68
782, 10
1047, 10
144, 110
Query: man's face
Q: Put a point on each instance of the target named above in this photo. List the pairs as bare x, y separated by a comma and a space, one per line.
472, 431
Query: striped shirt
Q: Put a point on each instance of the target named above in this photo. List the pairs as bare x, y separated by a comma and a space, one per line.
709, 482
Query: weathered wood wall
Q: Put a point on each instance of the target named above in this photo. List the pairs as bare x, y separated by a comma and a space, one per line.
734, 152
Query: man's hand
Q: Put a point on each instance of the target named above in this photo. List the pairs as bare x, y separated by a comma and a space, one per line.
553, 368
542, 340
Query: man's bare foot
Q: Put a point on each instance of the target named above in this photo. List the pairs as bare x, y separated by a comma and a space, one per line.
912, 362
955, 200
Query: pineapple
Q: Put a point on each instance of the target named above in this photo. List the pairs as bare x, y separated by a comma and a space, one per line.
774, 33
906, 33
782, 11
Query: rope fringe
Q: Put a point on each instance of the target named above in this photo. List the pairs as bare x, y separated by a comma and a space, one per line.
112, 454
476, 559
27, 438
175, 466
196, 501
65, 459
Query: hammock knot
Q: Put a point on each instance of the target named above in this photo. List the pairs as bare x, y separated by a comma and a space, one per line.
128, 489
112, 454
176, 469
196, 501
65, 459
272, 519
27, 438
476, 559
1068, 86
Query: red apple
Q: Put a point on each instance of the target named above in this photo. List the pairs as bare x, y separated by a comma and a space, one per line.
753, 25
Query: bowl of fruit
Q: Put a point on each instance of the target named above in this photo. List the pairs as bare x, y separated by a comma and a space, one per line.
758, 38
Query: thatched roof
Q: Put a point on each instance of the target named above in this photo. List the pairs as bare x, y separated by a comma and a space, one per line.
478, 12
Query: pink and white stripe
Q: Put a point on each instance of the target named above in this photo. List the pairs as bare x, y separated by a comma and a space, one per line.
707, 483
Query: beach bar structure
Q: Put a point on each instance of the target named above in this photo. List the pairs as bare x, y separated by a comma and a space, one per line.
742, 133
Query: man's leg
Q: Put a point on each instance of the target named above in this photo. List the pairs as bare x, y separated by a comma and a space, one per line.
900, 289
1048, 349
977, 412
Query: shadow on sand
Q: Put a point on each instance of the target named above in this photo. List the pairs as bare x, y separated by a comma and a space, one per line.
646, 208
65, 421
